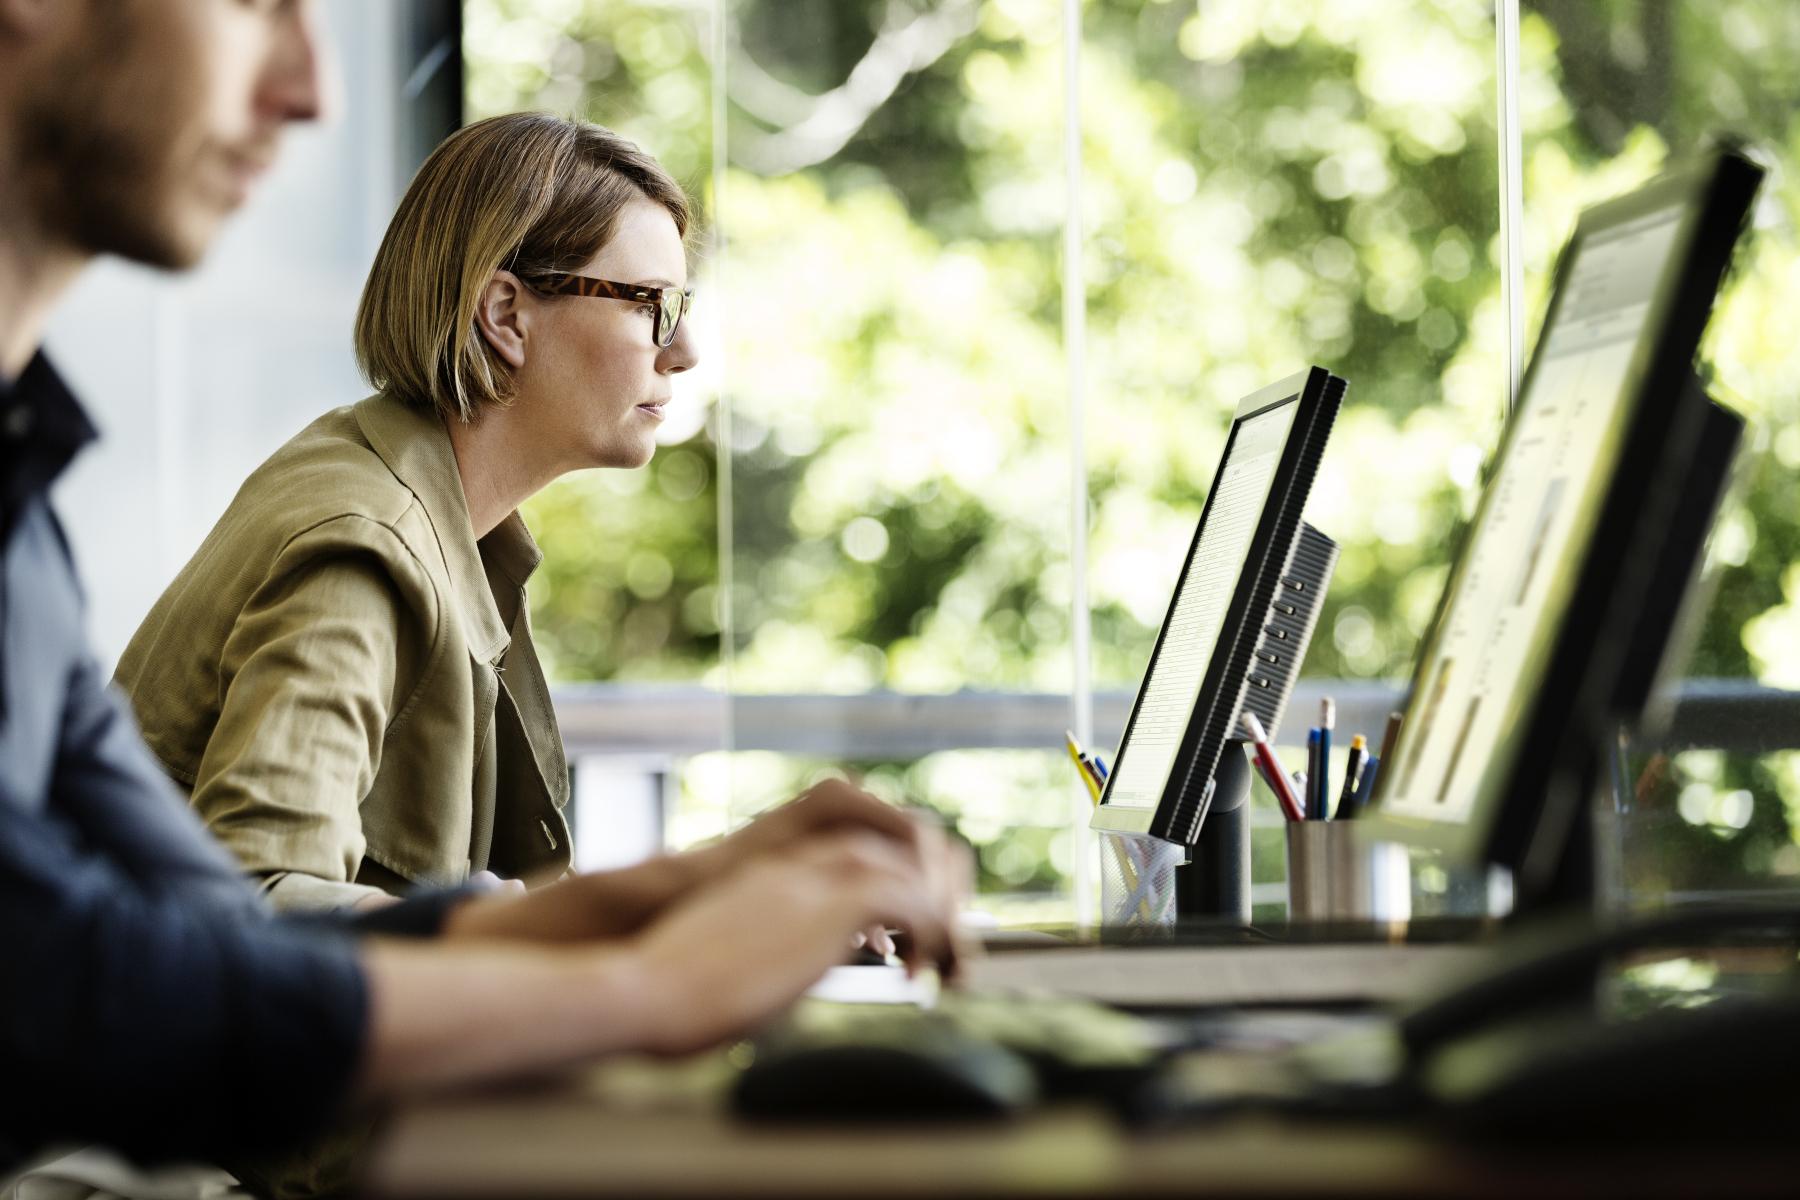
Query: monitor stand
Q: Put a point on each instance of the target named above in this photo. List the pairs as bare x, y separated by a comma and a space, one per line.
1214, 884
1663, 624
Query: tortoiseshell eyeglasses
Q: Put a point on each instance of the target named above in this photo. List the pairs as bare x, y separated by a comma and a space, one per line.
671, 303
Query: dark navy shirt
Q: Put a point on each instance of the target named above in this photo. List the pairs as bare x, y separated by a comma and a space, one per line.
148, 999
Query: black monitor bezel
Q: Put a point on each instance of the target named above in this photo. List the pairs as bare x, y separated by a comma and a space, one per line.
1178, 815
1574, 711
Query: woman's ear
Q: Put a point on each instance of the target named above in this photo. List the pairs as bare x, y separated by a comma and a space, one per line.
500, 315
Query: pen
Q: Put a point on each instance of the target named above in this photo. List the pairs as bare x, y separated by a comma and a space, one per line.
1327, 719
1353, 773
1262, 773
1365, 791
1272, 770
1312, 774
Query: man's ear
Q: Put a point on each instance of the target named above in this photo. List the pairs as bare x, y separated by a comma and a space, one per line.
501, 315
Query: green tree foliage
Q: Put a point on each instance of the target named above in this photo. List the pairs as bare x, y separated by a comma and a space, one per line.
1266, 183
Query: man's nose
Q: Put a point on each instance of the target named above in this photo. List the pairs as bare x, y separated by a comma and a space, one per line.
296, 85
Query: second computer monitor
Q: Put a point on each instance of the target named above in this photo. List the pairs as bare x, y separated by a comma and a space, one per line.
1519, 681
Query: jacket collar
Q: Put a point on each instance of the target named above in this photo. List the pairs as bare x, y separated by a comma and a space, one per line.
416, 448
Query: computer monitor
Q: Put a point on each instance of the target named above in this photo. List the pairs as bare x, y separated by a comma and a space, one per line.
1529, 667
1205, 658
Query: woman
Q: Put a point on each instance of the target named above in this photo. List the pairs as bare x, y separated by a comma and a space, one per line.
343, 676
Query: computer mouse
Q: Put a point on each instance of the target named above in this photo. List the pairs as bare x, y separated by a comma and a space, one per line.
848, 1082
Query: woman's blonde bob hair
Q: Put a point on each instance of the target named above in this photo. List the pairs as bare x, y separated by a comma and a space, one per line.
529, 192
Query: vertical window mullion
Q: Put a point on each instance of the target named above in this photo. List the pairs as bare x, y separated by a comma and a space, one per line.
1512, 190
1074, 316
722, 440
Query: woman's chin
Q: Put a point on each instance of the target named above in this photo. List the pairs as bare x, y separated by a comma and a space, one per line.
626, 454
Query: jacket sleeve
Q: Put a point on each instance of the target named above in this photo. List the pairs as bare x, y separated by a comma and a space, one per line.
318, 663
144, 993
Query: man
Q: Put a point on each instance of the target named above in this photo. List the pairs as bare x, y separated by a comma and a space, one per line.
148, 1000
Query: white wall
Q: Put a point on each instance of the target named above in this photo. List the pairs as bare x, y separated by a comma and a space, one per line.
195, 379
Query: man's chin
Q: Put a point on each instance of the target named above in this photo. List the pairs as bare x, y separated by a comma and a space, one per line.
171, 244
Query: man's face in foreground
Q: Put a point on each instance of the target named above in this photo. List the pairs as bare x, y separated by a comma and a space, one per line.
144, 123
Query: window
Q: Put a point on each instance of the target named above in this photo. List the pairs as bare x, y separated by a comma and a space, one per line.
909, 393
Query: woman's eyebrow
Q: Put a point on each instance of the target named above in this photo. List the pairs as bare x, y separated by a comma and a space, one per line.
654, 283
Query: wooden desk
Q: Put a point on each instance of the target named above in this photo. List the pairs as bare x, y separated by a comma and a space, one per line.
588, 1138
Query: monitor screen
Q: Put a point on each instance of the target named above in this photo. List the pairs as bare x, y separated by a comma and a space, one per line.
1519, 565
1518, 688
1172, 683
1205, 656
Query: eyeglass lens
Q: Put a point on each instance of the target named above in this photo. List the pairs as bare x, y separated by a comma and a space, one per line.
668, 316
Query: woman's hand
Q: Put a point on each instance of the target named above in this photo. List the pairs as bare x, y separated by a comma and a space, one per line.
837, 806
612, 904
740, 951
828, 807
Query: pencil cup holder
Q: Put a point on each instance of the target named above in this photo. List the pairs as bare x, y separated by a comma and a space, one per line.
1337, 873
1137, 882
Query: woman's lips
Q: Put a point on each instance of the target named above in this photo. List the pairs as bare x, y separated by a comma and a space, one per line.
653, 409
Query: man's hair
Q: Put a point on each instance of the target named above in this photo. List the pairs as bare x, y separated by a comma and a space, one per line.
529, 192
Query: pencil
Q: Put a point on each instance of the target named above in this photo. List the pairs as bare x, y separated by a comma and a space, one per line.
1081, 769
1388, 736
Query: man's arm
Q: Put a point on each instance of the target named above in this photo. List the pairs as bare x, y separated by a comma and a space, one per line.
160, 1018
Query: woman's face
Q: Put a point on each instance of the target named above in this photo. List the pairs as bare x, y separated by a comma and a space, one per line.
594, 378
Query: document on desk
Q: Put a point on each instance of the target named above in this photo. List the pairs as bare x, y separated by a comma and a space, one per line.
876, 985
1190, 976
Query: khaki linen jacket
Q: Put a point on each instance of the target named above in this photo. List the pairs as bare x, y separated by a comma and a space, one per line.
344, 679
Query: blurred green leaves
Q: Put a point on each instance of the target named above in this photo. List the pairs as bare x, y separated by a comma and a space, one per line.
1266, 183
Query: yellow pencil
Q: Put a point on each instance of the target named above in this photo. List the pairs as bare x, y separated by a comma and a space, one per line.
1081, 767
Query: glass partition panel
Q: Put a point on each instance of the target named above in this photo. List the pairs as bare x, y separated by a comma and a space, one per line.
1269, 186
892, 300
900, 500
629, 583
